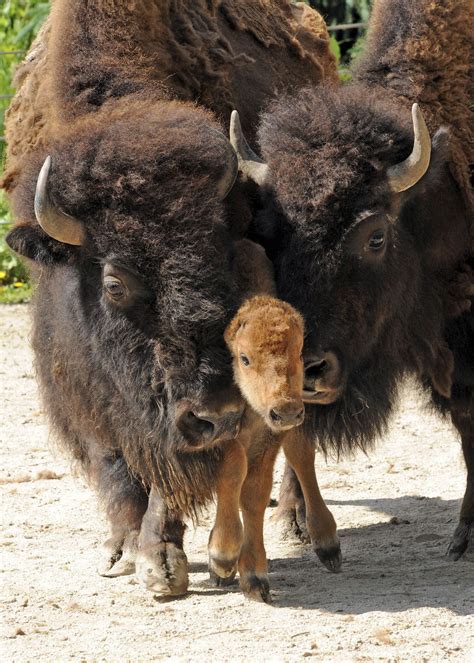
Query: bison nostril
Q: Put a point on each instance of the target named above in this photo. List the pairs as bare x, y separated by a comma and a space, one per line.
275, 416
204, 427
315, 370
197, 428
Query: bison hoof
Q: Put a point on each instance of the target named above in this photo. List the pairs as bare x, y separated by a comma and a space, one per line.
163, 569
330, 555
118, 556
256, 588
461, 541
290, 527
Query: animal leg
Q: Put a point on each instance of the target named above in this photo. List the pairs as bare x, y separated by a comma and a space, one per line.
226, 536
125, 502
161, 564
463, 418
320, 522
254, 497
291, 510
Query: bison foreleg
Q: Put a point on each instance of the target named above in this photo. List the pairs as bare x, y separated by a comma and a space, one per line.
125, 502
291, 510
463, 419
161, 564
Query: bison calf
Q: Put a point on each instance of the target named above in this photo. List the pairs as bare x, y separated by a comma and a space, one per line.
265, 339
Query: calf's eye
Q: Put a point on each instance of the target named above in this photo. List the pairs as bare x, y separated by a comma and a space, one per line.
244, 359
114, 287
377, 240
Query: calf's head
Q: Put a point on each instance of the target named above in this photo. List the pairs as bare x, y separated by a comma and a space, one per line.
265, 339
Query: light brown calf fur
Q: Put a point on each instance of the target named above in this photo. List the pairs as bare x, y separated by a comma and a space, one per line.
265, 339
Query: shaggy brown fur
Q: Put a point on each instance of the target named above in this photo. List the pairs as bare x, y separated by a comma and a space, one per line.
374, 272
412, 54
210, 52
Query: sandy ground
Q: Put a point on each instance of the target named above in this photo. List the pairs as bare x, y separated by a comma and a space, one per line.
397, 599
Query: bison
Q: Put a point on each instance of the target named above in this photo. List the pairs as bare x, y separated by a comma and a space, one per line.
371, 209
121, 187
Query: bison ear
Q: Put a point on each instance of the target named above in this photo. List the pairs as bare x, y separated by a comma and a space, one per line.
32, 243
440, 156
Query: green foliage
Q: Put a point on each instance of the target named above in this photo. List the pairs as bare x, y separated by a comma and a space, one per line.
20, 20
14, 282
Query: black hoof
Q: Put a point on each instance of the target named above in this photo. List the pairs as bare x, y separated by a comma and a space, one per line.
462, 537
256, 588
331, 557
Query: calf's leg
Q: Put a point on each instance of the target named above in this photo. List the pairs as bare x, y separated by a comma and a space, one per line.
462, 413
254, 498
161, 564
320, 522
226, 536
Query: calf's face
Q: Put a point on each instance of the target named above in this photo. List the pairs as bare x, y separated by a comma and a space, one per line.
266, 341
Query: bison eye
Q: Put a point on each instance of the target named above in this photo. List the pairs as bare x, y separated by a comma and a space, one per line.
377, 240
114, 287
244, 359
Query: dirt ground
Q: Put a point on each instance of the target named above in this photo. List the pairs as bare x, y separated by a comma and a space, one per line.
397, 599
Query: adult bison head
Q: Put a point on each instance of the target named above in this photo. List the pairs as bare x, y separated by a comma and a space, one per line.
131, 225
355, 218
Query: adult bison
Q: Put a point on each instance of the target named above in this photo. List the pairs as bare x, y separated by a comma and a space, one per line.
119, 183
379, 233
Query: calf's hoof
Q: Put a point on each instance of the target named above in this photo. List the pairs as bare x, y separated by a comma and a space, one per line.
330, 555
218, 581
462, 540
118, 556
256, 588
222, 571
163, 569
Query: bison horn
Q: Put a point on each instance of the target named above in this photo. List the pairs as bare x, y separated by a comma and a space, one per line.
249, 163
231, 168
55, 223
404, 175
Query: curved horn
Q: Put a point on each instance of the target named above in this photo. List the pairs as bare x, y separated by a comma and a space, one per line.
55, 223
249, 163
231, 167
404, 175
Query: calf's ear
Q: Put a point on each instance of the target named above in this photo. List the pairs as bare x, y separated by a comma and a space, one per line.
33, 243
233, 327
